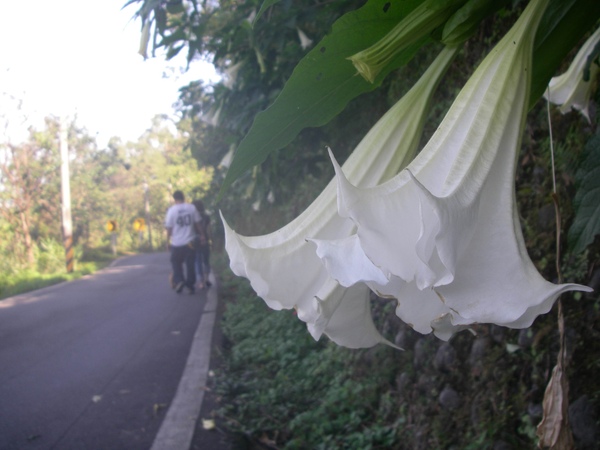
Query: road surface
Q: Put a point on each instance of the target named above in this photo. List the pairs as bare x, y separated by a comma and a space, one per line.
95, 363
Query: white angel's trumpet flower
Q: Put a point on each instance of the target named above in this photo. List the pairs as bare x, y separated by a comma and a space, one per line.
283, 268
417, 24
570, 90
444, 233
305, 41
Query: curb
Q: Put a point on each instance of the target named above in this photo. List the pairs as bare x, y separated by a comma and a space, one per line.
177, 429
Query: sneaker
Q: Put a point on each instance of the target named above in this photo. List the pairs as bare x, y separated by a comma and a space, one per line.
208, 283
179, 287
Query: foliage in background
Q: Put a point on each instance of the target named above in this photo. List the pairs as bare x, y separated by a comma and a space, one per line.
255, 62
587, 199
122, 183
50, 268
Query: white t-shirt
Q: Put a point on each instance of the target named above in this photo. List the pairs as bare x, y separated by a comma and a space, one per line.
181, 218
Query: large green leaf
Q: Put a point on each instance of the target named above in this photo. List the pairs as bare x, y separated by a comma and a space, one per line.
587, 199
322, 83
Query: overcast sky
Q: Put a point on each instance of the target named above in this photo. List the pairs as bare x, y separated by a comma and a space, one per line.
80, 58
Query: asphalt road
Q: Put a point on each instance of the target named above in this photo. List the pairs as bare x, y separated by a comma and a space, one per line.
95, 363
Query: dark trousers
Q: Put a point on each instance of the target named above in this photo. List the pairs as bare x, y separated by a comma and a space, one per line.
202, 260
180, 256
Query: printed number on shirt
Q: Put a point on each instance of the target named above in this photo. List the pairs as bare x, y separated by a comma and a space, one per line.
184, 221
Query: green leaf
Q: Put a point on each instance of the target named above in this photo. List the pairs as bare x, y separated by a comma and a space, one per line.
266, 4
586, 224
563, 26
322, 83
174, 51
177, 36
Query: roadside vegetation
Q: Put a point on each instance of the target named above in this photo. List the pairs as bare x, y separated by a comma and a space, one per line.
27, 280
50, 269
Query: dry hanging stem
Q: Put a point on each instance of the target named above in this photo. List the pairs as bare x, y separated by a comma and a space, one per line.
554, 431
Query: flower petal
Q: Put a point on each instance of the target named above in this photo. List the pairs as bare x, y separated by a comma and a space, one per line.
423, 310
345, 250
346, 317
513, 293
282, 267
570, 90
417, 308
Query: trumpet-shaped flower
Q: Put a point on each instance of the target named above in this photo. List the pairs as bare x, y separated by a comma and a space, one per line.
415, 26
283, 267
443, 236
305, 41
571, 90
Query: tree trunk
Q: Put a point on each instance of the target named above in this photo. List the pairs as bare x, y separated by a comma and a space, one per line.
27, 240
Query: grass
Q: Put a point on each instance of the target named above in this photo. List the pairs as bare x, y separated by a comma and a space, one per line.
29, 280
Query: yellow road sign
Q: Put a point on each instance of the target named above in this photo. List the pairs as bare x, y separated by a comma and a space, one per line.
139, 224
111, 226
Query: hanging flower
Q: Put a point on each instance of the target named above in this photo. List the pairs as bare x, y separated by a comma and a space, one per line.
571, 90
305, 41
415, 26
283, 267
443, 236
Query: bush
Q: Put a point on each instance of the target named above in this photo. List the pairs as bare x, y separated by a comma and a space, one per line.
50, 268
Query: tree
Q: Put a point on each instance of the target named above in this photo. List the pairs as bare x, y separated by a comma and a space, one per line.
28, 174
255, 55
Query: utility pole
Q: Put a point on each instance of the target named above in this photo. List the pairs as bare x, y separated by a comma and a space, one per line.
147, 213
67, 225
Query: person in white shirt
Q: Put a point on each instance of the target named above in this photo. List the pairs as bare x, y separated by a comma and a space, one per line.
183, 224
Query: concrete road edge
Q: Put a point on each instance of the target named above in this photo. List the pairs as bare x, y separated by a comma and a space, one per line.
177, 429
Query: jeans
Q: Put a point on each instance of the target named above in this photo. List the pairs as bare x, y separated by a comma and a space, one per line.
202, 260
180, 256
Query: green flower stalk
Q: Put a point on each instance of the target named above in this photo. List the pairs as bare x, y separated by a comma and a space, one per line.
416, 25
